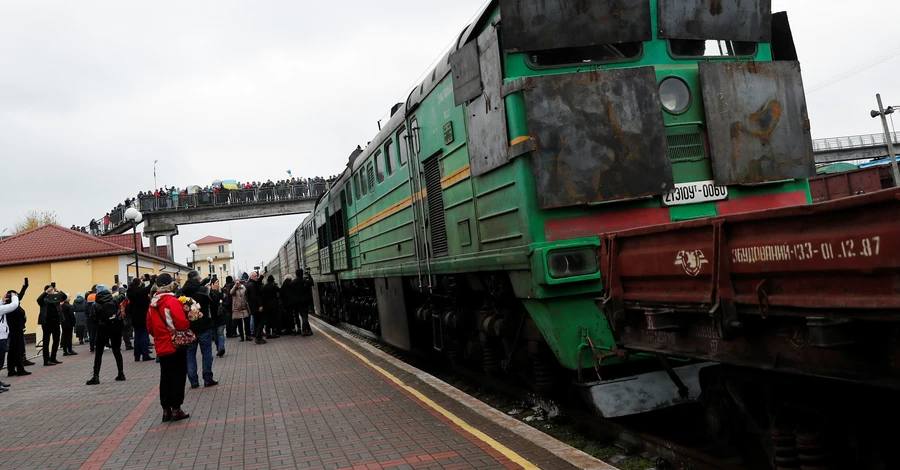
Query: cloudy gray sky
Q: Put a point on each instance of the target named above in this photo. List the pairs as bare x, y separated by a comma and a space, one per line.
91, 92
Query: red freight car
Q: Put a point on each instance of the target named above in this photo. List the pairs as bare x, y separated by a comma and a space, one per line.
796, 309
850, 183
811, 289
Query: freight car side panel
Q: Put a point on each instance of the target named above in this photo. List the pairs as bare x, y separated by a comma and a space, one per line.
811, 289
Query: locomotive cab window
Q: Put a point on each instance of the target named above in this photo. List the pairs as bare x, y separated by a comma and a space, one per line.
403, 144
416, 145
387, 157
604, 54
362, 179
693, 48
356, 185
379, 166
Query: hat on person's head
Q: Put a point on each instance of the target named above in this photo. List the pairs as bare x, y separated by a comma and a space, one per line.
164, 279
102, 288
245, 277
271, 278
299, 272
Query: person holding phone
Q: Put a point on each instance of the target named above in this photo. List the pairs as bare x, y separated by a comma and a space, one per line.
16, 346
49, 319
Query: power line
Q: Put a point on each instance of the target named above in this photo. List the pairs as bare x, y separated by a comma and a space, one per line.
858, 69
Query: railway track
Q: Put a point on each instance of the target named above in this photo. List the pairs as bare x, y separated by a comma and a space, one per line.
629, 438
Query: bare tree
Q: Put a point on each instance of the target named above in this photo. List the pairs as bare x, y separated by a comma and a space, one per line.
35, 219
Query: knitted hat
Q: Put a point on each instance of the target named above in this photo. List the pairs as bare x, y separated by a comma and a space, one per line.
102, 288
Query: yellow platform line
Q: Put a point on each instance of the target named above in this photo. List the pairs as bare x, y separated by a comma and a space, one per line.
507, 452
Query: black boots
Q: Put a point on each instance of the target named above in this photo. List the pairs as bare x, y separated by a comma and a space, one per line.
94, 381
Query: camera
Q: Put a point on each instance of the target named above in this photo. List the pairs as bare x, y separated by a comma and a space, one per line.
53, 285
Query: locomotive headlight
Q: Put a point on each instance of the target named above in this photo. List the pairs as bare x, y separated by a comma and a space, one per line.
674, 95
573, 262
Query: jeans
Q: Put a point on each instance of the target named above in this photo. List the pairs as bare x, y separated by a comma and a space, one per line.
220, 338
204, 340
252, 324
141, 343
50, 330
172, 370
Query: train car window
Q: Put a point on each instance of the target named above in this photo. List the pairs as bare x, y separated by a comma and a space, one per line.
379, 166
403, 143
416, 145
371, 174
605, 54
362, 179
356, 185
711, 48
387, 157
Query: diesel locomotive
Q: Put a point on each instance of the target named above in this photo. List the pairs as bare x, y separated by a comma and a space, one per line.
477, 221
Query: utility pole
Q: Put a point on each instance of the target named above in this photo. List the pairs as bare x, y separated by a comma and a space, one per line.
890, 142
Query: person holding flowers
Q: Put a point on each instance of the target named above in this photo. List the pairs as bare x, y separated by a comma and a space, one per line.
167, 321
208, 298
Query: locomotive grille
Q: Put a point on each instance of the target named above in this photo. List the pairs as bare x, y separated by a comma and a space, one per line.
687, 146
435, 208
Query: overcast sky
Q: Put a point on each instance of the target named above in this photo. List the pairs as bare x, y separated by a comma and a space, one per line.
91, 92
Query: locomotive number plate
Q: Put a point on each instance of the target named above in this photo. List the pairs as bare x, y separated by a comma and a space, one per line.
694, 192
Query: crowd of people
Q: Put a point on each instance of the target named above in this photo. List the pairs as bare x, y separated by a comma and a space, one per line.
173, 198
180, 319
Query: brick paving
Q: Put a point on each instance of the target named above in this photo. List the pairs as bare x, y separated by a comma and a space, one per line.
296, 402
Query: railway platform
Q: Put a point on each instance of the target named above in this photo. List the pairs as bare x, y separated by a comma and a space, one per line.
324, 401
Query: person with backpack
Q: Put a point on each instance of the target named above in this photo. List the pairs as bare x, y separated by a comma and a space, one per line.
108, 318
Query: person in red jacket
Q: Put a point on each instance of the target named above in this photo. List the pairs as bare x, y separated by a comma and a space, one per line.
166, 311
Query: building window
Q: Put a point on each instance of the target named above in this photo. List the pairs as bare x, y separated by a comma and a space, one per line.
221, 248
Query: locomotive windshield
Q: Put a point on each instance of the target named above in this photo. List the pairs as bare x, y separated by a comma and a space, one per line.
711, 48
606, 53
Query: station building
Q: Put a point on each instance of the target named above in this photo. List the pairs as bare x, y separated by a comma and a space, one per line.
216, 249
75, 261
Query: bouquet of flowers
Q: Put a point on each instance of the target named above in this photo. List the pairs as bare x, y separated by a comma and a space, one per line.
191, 308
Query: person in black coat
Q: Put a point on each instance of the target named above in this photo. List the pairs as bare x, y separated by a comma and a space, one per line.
15, 364
138, 304
270, 294
209, 298
50, 319
68, 327
302, 287
254, 303
105, 314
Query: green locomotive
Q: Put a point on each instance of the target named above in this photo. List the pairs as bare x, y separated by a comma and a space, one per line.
471, 223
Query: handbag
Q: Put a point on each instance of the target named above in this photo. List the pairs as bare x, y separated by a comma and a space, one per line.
181, 339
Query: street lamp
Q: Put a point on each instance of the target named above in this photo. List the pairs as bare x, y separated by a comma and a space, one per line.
155, 187
210, 260
887, 137
135, 217
193, 247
